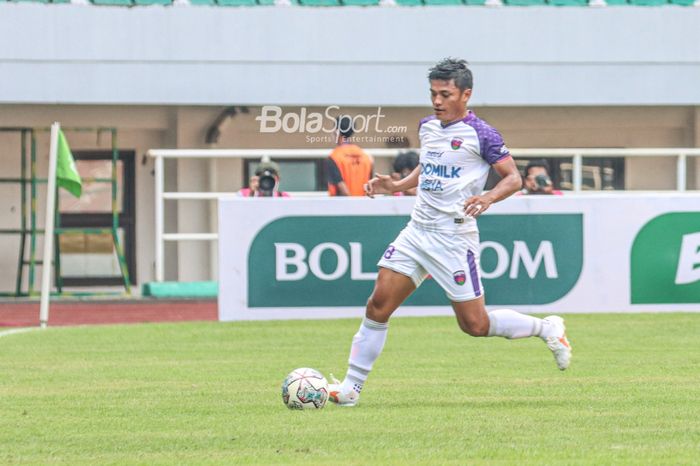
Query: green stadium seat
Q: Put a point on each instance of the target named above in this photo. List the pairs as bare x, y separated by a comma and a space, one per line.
568, 2
360, 2
682, 2
443, 2
409, 2
648, 2
616, 2
43, 1
524, 2
270, 2
203, 2
237, 2
319, 2
153, 2
112, 2
475, 2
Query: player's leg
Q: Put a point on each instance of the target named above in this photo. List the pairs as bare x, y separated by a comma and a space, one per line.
390, 290
399, 275
457, 272
474, 320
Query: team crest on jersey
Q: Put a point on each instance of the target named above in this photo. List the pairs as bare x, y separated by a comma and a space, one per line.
456, 143
460, 277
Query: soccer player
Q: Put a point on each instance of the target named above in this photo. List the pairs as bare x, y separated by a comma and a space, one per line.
442, 238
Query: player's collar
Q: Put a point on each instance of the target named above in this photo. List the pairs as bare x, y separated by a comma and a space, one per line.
466, 119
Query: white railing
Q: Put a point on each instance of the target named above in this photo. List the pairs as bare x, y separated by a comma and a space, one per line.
577, 156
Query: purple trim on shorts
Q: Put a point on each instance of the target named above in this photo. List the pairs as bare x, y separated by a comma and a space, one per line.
473, 273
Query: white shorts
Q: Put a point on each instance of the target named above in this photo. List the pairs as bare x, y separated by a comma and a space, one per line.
452, 259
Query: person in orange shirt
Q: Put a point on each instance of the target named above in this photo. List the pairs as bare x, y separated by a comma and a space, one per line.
349, 168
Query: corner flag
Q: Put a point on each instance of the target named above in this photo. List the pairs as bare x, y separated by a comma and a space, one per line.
67, 175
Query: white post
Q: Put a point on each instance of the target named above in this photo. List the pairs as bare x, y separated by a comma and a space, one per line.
577, 172
681, 173
48, 228
213, 223
159, 218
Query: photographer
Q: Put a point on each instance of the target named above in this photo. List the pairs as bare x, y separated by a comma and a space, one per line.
404, 164
265, 183
537, 179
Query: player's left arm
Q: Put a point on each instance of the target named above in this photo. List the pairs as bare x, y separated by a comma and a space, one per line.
511, 181
383, 184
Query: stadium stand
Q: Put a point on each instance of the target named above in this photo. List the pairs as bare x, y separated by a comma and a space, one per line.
320, 2
361, 2
338, 3
524, 2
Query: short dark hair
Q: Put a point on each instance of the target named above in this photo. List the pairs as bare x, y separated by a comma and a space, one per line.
405, 160
542, 163
453, 69
345, 126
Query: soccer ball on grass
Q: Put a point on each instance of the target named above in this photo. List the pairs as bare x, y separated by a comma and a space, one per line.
305, 388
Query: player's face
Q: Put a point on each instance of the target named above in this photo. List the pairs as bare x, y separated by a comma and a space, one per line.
449, 103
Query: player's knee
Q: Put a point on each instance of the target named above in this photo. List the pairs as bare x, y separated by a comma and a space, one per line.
475, 328
378, 309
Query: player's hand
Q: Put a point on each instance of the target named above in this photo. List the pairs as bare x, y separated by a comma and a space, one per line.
254, 183
380, 184
476, 205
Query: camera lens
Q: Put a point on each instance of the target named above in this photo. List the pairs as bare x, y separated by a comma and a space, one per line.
542, 181
267, 182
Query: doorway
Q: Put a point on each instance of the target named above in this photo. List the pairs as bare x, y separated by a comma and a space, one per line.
89, 259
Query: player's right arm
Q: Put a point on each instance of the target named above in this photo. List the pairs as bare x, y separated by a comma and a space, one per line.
383, 184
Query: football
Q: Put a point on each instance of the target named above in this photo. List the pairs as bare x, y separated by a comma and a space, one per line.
305, 388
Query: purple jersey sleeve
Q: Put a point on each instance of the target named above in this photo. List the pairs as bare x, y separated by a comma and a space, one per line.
493, 149
425, 120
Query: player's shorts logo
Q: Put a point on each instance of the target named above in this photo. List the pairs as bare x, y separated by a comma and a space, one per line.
389, 252
456, 143
460, 277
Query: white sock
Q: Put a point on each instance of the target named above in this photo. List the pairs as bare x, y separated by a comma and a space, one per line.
510, 324
367, 345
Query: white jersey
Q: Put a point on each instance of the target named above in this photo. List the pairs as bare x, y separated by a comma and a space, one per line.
454, 164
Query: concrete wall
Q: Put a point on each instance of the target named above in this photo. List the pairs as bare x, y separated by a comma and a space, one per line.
145, 127
349, 56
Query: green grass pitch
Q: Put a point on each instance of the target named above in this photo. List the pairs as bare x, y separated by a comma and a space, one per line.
209, 393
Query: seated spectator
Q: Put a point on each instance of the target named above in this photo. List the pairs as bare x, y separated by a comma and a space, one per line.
404, 164
537, 179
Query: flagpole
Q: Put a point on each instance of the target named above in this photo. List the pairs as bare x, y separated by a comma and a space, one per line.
49, 228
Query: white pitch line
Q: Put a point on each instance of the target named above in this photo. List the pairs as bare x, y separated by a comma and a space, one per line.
4, 333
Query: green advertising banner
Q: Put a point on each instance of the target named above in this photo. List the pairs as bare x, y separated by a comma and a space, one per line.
312, 261
665, 260
602, 252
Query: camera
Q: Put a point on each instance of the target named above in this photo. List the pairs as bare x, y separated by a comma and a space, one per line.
267, 182
542, 181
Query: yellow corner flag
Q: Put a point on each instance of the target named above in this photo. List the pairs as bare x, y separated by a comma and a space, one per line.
67, 175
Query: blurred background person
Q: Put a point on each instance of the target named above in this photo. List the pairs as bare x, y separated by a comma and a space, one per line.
404, 164
265, 182
348, 167
537, 179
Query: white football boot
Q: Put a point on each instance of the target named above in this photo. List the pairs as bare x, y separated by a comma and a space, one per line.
337, 396
558, 343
